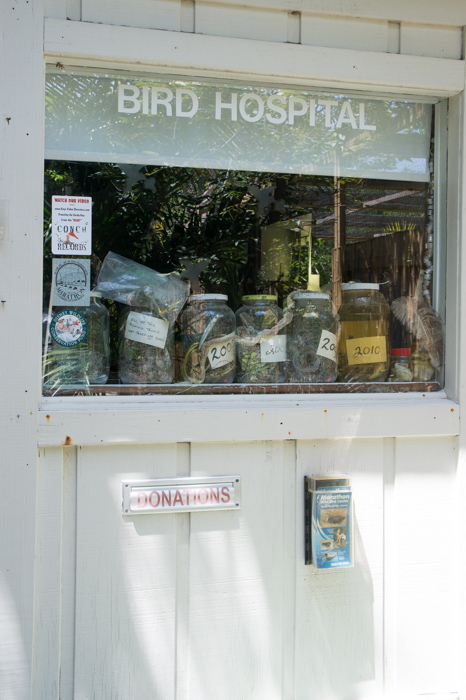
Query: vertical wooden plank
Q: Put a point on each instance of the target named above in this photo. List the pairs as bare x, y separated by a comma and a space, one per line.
183, 525
294, 27
393, 37
390, 567
187, 8
68, 573
126, 579
430, 40
21, 142
237, 577
148, 14
344, 32
242, 22
339, 614
55, 9
291, 492
73, 10
429, 530
48, 589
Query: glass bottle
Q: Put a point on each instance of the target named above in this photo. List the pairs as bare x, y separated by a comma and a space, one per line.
400, 365
312, 339
80, 347
147, 347
364, 345
208, 340
260, 349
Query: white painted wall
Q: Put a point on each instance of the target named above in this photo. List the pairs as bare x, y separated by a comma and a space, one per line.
220, 605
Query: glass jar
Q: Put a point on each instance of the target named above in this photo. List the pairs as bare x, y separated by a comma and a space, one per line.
312, 339
208, 340
363, 347
80, 347
260, 346
400, 365
423, 370
147, 347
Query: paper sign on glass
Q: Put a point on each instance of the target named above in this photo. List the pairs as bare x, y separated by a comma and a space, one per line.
146, 329
366, 351
71, 225
223, 352
273, 349
328, 345
71, 282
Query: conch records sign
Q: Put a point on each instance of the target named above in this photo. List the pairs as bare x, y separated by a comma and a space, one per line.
181, 495
175, 122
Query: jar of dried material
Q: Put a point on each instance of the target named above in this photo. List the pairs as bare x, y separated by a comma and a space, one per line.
312, 339
260, 341
208, 340
363, 347
147, 347
80, 347
400, 366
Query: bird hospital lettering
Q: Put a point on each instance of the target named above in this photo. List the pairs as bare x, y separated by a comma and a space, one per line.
71, 225
249, 106
266, 128
177, 495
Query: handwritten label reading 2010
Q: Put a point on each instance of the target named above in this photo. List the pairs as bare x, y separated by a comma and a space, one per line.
146, 329
328, 345
223, 352
273, 349
366, 351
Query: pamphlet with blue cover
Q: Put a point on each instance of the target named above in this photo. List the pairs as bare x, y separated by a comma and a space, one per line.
329, 522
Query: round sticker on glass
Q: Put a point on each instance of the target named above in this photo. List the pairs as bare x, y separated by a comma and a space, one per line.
68, 328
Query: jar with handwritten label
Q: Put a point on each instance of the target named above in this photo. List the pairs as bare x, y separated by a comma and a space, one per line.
260, 341
312, 339
79, 352
147, 347
363, 347
208, 340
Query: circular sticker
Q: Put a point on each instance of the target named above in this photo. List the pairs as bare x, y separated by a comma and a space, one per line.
71, 277
68, 328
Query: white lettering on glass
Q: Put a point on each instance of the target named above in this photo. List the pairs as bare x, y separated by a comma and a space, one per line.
362, 117
328, 104
182, 92
294, 110
260, 108
165, 101
271, 104
128, 93
346, 116
233, 106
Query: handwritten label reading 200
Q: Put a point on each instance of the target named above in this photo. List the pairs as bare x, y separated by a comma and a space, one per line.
366, 351
223, 352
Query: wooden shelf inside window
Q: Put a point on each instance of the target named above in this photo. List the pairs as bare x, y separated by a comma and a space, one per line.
182, 389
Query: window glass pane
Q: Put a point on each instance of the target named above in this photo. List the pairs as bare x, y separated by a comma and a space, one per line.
289, 241
163, 121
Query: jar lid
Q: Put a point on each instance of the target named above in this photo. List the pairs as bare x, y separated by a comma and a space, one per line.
348, 286
208, 297
96, 294
401, 352
310, 295
258, 297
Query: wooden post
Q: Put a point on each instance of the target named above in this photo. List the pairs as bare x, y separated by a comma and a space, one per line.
339, 240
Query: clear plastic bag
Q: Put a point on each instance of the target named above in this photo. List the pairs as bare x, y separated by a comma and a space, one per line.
134, 284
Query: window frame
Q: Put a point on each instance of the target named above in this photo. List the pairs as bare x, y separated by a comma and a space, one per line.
197, 417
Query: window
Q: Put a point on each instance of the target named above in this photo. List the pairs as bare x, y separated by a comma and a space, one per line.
276, 199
